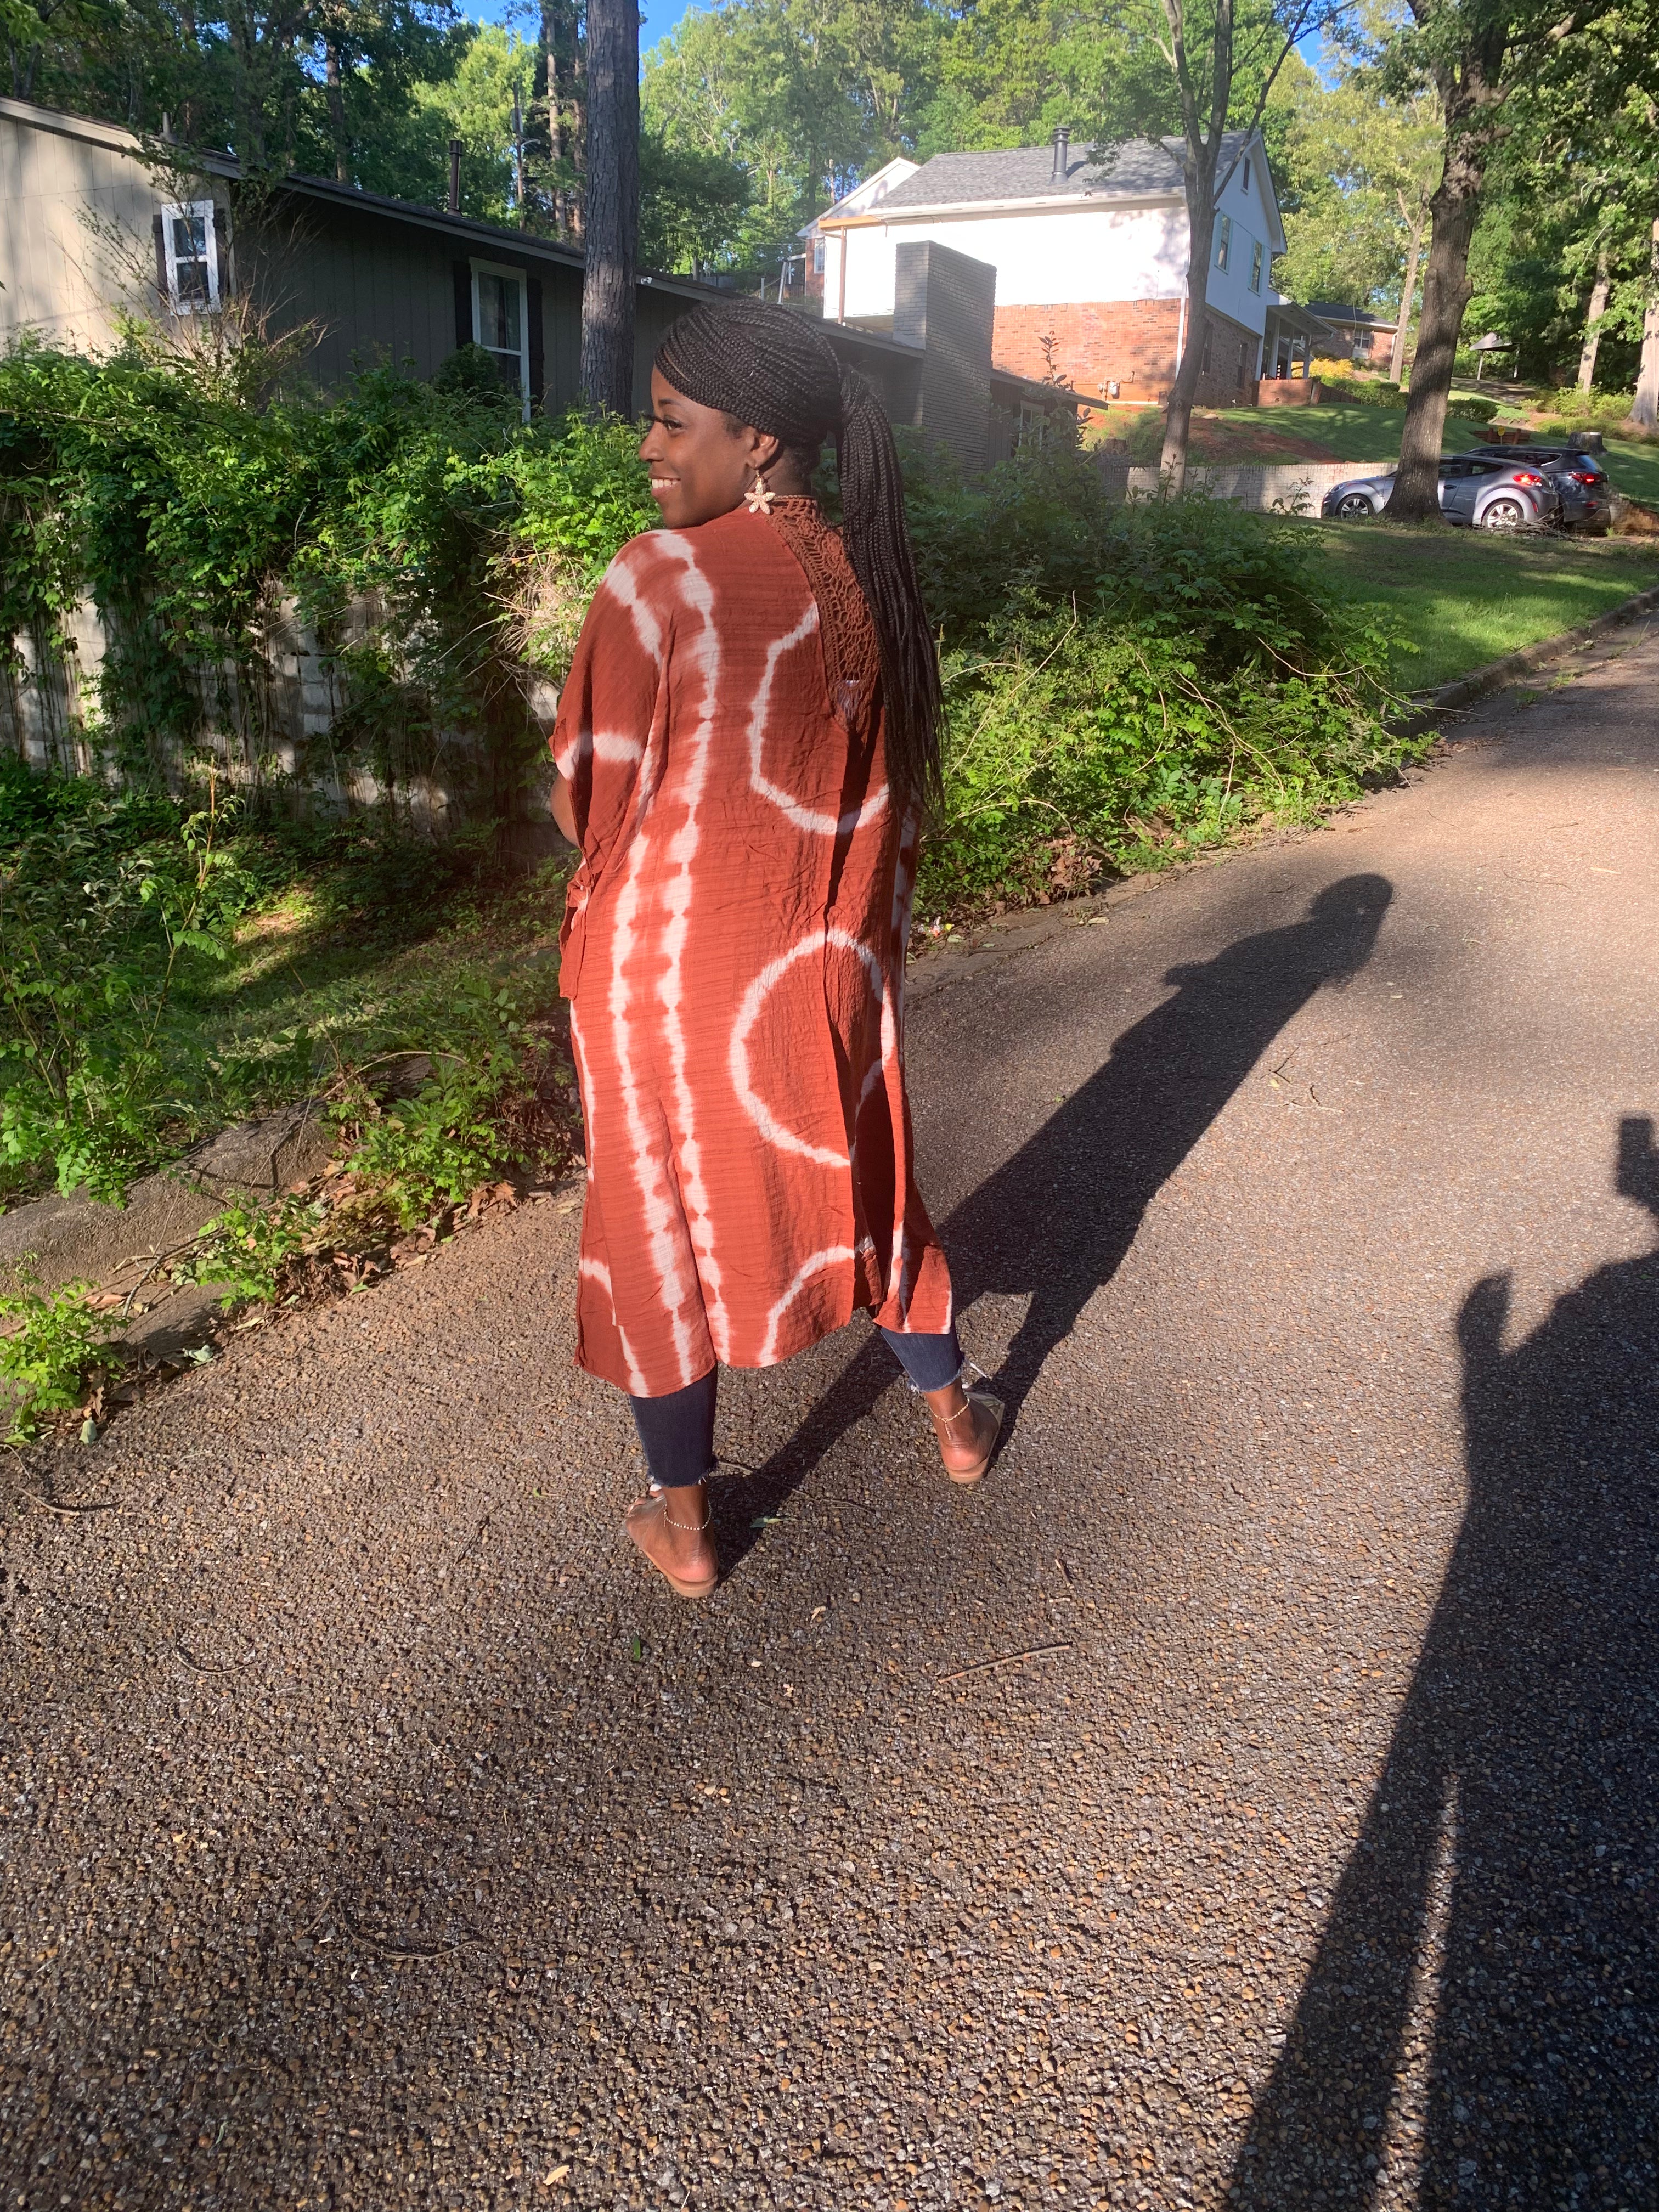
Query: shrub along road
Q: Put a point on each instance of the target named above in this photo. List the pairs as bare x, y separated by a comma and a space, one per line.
1251, 1786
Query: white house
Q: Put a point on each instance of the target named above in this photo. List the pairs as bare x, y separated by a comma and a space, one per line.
1091, 260
859, 201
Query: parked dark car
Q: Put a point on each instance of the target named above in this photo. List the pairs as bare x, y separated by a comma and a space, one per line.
1475, 488
1580, 481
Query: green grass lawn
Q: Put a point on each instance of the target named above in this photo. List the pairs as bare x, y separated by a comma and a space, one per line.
1466, 597
1633, 464
1372, 434
1354, 433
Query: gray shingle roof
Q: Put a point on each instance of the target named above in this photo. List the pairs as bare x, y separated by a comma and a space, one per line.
1334, 311
1137, 167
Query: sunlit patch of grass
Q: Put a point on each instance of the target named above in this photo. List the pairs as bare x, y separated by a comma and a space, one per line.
1466, 597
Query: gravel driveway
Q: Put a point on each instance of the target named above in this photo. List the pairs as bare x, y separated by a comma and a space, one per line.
1246, 1797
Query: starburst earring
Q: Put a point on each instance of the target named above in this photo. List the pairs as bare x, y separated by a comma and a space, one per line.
759, 496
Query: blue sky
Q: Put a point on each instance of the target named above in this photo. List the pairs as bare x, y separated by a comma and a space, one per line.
659, 17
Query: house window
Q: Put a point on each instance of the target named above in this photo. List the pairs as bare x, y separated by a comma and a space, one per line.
1223, 243
817, 257
500, 324
1244, 180
1033, 424
1256, 266
190, 245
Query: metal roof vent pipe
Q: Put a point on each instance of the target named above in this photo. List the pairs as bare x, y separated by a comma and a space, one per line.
1062, 154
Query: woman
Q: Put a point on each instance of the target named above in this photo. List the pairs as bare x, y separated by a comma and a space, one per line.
744, 747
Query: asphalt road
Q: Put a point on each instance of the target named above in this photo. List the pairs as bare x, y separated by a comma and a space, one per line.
1248, 1795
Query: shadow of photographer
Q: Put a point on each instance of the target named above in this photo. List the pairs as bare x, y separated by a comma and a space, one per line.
1509, 1853
1054, 1222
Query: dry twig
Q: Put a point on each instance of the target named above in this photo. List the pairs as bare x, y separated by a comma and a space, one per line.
1010, 1659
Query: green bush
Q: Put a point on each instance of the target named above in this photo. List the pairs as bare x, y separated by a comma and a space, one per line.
245, 1251
1093, 742
1588, 409
1124, 682
1466, 407
107, 899
433, 1150
54, 1342
1573, 409
1366, 391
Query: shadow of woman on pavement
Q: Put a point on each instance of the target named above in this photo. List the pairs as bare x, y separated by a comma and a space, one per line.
1055, 1221
1509, 1853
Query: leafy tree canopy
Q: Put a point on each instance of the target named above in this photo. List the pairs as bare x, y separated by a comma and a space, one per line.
757, 113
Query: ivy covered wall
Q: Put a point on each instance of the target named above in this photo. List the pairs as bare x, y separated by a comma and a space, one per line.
359, 604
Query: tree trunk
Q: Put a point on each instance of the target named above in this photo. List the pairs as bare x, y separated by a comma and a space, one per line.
246, 80
1645, 412
1178, 417
553, 41
1598, 308
580, 86
337, 114
1413, 256
1454, 211
187, 25
611, 211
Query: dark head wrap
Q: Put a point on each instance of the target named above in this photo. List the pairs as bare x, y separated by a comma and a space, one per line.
778, 373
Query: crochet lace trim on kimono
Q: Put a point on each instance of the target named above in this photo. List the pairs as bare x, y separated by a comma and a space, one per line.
852, 657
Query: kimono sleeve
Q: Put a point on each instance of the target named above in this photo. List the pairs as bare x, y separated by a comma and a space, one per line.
609, 699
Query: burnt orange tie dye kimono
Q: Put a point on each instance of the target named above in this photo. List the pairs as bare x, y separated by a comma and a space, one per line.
735, 947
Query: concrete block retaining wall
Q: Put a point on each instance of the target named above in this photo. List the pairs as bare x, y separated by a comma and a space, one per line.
267, 726
1295, 487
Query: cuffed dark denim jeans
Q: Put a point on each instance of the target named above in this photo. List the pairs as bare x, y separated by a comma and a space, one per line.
678, 1432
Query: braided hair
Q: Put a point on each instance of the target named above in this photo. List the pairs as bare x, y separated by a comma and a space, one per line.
778, 374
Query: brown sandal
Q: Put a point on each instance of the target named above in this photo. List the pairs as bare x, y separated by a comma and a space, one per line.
654, 1508
943, 1423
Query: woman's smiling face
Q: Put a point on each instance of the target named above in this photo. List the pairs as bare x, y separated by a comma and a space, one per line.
700, 466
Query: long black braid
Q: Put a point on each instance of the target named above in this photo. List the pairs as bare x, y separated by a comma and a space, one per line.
777, 373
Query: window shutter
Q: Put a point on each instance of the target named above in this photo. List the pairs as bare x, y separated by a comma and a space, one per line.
532, 302
161, 261
463, 303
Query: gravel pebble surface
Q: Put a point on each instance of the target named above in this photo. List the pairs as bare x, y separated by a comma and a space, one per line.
1246, 1796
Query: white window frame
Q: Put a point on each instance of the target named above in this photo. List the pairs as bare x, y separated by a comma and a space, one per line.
1258, 255
1224, 243
518, 277
209, 216
1033, 425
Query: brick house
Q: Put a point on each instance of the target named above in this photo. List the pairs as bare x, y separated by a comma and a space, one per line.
1367, 340
1091, 258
